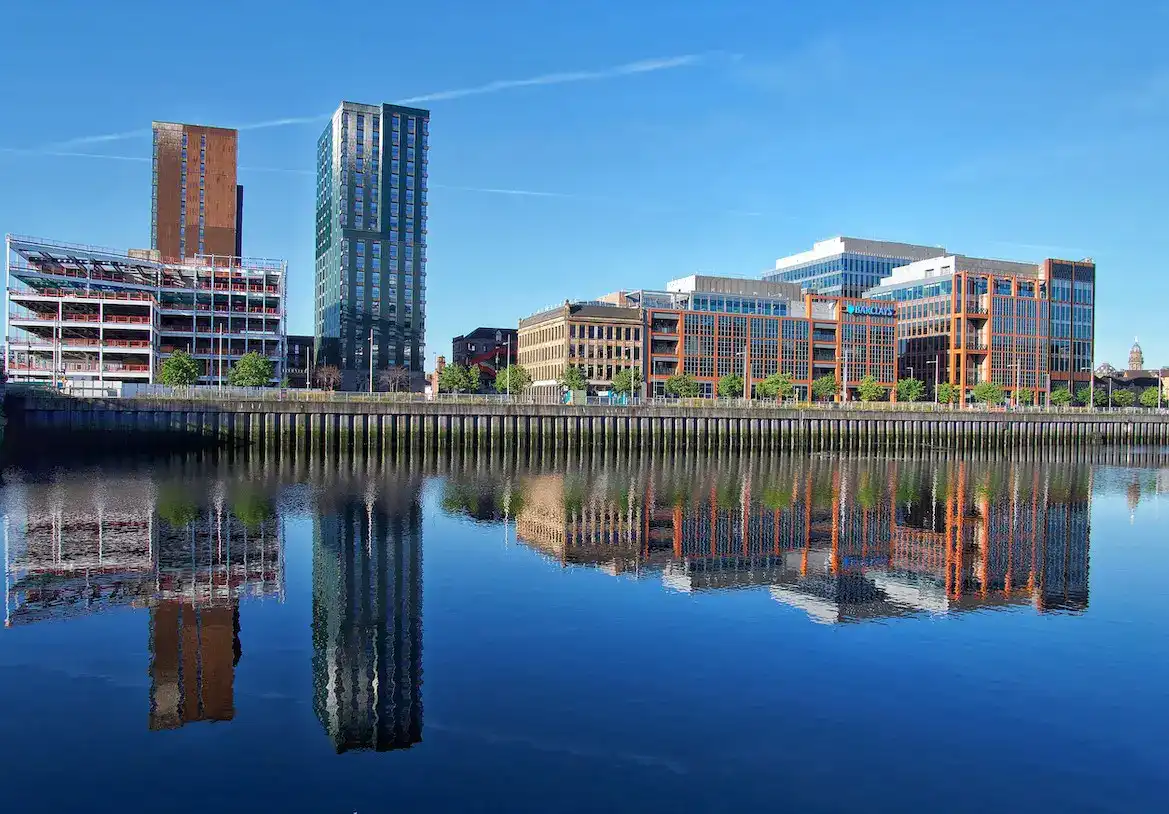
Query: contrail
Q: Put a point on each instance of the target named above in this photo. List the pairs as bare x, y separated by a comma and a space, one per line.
628, 69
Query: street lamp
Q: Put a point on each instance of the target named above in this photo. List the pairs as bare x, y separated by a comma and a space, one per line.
1092, 388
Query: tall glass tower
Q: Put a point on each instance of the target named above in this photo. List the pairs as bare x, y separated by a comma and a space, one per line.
371, 241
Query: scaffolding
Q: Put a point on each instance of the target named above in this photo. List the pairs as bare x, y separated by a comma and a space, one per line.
85, 314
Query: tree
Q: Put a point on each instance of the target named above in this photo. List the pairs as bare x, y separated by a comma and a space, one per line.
1083, 396
1123, 398
987, 393
1061, 397
1150, 397
179, 370
574, 379
682, 385
453, 379
327, 376
627, 380
513, 379
776, 386
285, 383
910, 390
946, 393
730, 386
869, 390
1101, 399
252, 370
394, 379
1025, 396
825, 387
473, 378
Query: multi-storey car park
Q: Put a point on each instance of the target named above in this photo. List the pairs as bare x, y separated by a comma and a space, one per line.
81, 314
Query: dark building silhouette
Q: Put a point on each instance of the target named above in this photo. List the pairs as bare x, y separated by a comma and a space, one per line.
194, 652
367, 620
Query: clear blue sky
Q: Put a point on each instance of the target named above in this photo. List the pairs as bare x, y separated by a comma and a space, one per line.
664, 137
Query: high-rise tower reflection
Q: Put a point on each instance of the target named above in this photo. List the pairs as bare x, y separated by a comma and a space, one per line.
367, 617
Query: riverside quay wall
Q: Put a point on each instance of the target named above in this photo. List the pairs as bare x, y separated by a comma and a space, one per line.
385, 425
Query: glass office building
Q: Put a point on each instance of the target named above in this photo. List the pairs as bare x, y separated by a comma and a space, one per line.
967, 320
1072, 291
847, 266
370, 275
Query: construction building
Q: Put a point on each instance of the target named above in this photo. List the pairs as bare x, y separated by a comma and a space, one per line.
966, 320
599, 338
196, 206
81, 315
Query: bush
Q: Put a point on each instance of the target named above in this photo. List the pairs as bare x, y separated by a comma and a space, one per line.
574, 379
868, 389
252, 370
776, 386
454, 379
947, 393
627, 380
910, 390
1083, 396
730, 386
179, 370
682, 385
1061, 397
1123, 398
1025, 396
987, 393
825, 387
513, 379
1151, 396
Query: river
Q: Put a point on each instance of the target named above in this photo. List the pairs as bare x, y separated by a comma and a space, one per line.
832, 632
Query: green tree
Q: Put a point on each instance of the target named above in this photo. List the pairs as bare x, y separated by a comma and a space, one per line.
1025, 396
513, 379
252, 370
730, 386
627, 380
179, 370
1101, 398
574, 378
473, 378
1083, 396
776, 386
987, 393
946, 393
825, 387
454, 379
252, 509
869, 390
910, 390
1123, 398
682, 385
1061, 397
1150, 397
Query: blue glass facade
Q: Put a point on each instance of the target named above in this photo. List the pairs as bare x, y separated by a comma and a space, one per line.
737, 304
848, 274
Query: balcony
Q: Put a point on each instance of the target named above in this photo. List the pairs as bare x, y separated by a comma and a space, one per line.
824, 336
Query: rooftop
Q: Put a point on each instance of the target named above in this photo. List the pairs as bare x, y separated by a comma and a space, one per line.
824, 249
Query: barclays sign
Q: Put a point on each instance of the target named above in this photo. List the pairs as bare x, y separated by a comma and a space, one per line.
872, 310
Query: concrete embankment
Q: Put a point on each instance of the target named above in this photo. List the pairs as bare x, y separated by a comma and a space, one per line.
376, 426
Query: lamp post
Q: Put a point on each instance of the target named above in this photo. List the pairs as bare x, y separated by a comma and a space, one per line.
1091, 388
371, 358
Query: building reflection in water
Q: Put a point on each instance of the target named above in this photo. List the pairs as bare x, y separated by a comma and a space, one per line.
77, 547
367, 616
842, 539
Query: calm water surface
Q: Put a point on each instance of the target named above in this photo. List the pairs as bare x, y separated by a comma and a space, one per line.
810, 633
